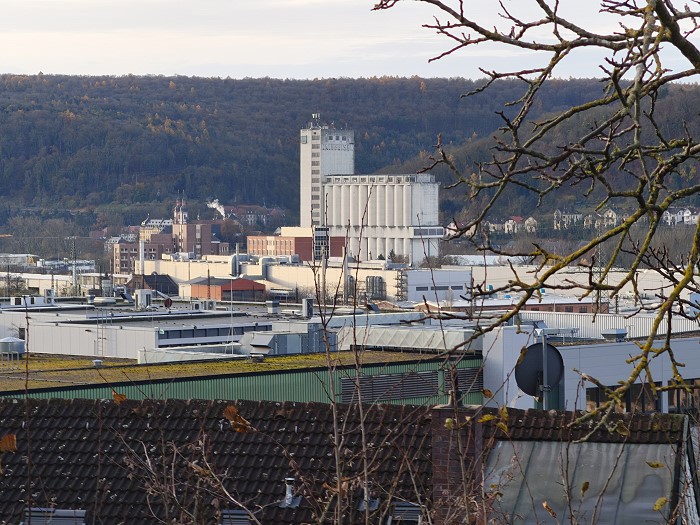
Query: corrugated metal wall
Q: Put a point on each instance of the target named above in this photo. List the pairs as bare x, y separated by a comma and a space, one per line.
636, 326
292, 385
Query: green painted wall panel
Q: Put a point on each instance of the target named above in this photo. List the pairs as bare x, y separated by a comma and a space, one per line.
292, 385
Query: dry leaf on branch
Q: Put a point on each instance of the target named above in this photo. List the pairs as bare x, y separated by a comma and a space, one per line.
238, 422
118, 398
8, 443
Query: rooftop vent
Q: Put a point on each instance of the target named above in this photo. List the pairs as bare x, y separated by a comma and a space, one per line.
616, 334
234, 517
405, 513
290, 501
46, 516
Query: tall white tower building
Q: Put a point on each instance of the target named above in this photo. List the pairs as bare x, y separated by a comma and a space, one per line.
379, 215
324, 151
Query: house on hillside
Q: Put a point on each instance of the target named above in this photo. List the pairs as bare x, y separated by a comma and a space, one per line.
513, 224
245, 462
681, 216
563, 220
530, 225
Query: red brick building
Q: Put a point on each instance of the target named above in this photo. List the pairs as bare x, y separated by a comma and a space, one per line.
292, 241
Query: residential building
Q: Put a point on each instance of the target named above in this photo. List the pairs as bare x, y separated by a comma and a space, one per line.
252, 215
244, 462
563, 220
513, 225
680, 216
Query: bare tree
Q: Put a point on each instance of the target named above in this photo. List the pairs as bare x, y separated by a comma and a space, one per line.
609, 149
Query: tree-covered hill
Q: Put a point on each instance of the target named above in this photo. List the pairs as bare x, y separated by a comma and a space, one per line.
82, 143
118, 148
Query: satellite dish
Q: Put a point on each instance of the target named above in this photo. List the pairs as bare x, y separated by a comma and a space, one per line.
529, 373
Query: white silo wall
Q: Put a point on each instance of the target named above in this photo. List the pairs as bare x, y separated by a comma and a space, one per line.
381, 205
398, 205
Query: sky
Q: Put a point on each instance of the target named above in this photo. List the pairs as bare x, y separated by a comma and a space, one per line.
302, 39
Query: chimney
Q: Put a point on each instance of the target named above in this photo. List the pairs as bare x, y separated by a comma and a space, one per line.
142, 255
458, 453
290, 500
288, 495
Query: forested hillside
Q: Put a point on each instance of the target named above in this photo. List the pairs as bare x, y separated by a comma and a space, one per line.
112, 150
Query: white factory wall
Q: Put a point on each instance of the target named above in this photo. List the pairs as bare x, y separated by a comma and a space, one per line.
501, 349
650, 283
91, 341
301, 277
381, 214
607, 362
593, 325
438, 284
390, 337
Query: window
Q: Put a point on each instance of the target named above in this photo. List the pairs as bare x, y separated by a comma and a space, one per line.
304, 139
315, 197
315, 163
315, 172
315, 146
315, 154
639, 398
421, 288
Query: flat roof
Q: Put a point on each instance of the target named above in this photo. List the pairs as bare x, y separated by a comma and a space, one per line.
50, 371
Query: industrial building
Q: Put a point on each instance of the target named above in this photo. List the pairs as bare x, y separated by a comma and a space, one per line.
384, 216
379, 215
324, 150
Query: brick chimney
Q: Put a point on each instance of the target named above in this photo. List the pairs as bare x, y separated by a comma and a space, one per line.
457, 453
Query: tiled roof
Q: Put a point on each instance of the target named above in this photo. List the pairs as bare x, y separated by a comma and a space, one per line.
555, 425
95, 456
124, 461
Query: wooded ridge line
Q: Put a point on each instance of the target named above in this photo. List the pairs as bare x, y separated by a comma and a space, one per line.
87, 144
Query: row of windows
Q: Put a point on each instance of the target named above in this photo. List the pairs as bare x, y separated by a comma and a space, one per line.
375, 179
223, 331
439, 288
427, 232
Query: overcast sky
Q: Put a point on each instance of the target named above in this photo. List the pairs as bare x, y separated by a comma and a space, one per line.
246, 38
